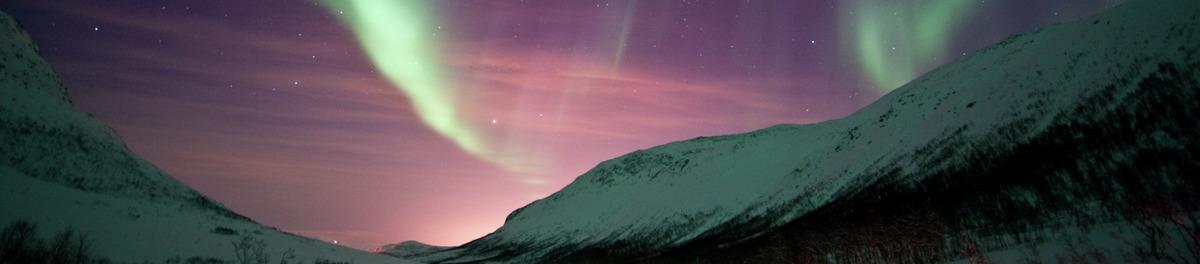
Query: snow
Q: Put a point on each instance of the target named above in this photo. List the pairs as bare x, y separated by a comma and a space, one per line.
668, 195
61, 168
46, 138
130, 230
409, 248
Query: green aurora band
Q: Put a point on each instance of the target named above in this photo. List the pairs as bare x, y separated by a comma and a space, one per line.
399, 39
895, 41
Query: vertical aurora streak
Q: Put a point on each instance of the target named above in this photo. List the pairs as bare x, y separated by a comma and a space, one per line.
397, 37
895, 41
623, 35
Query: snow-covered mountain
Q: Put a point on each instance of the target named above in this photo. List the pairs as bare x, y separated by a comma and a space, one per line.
1047, 141
409, 248
61, 168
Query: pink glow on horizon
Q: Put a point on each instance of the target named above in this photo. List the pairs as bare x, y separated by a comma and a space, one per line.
302, 134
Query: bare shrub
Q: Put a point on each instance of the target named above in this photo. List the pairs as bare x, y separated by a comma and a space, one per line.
249, 250
1168, 235
19, 243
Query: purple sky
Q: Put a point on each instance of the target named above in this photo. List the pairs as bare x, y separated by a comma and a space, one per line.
271, 108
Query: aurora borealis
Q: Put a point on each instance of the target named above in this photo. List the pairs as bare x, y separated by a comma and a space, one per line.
374, 122
895, 41
398, 37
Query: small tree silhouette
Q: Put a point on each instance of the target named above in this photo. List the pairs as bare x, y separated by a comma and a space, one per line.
249, 250
19, 243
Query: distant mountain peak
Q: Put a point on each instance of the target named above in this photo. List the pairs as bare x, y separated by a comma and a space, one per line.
408, 248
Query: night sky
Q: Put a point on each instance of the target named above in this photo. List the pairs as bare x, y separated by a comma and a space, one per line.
375, 122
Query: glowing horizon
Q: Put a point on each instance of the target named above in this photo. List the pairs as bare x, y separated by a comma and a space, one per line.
284, 114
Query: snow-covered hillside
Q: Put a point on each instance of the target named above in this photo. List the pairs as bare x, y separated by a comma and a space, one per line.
60, 168
408, 248
1073, 125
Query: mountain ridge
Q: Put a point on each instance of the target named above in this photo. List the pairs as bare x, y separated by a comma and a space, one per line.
661, 203
62, 169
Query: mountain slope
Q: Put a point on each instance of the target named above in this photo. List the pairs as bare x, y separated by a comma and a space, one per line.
408, 248
44, 137
60, 168
1075, 127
